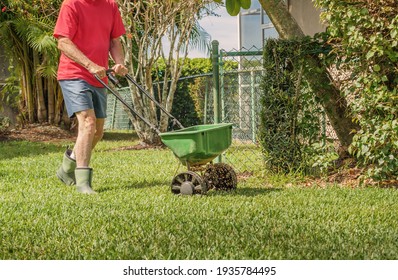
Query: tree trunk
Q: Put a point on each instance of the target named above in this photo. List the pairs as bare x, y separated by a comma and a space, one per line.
51, 100
282, 20
41, 104
334, 104
27, 85
156, 21
146, 134
60, 114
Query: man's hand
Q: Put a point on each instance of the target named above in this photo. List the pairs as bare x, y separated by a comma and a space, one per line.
97, 70
120, 69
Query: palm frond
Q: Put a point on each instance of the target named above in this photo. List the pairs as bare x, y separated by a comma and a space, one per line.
200, 39
38, 38
47, 71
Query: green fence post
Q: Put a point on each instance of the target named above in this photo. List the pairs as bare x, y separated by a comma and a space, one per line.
253, 105
113, 113
216, 86
216, 82
206, 96
222, 87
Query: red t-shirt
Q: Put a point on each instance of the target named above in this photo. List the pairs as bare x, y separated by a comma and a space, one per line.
90, 25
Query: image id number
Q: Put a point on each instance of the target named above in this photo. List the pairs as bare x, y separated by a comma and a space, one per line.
246, 270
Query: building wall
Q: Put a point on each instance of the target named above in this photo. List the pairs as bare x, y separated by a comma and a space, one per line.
306, 15
255, 26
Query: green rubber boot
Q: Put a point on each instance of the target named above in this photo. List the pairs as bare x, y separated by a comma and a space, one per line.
84, 177
66, 172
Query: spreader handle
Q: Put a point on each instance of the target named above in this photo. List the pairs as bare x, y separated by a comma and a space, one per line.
113, 78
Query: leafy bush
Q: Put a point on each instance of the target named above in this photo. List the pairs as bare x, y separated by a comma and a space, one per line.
291, 119
4, 123
188, 104
184, 103
364, 36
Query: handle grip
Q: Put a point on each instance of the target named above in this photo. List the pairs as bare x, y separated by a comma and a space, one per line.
113, 78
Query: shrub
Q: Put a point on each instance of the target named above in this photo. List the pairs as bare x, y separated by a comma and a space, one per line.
291, 128
364, 36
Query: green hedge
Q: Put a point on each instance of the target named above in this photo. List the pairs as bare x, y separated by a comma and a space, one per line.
291, 133
188, 104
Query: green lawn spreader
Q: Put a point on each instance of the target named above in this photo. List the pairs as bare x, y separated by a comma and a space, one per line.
195, 147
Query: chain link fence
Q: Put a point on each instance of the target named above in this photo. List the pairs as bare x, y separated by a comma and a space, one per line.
240, 93
117, 118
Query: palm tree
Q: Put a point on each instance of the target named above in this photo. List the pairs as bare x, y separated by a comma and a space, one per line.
26, 35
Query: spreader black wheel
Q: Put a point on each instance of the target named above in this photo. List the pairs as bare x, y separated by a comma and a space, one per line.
188, 183
220, 176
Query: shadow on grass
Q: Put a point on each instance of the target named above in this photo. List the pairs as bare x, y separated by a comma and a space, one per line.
14, 149
21, 148
136, 185
245, 191
248, 192
115, 135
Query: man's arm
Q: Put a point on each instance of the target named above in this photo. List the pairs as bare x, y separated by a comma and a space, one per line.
67, 47
117, 54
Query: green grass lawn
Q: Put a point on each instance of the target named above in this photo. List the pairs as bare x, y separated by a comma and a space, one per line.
135, 215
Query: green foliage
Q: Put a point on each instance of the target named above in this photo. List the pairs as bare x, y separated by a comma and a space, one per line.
364, 38
187, 96
9, 93
323, 155
184, 105
291, 119
234, 6
26, 35
191, 88
4, 124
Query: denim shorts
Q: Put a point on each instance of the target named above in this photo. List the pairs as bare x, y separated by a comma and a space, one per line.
81, 96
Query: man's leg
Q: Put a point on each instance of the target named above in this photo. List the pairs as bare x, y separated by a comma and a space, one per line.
81, 99
99, 132
66, 172
83, 148
85, 137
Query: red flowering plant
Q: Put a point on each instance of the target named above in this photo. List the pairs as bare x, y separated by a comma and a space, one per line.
4, 9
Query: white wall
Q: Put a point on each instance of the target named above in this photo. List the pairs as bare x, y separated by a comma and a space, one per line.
306, 15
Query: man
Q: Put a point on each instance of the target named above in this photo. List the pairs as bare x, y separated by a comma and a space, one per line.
87, 32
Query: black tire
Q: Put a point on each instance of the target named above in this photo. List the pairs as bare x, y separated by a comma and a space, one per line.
188, 183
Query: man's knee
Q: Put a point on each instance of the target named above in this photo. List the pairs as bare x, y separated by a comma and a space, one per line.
87, 121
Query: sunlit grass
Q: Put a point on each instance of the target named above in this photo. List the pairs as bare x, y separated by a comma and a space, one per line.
135, 215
